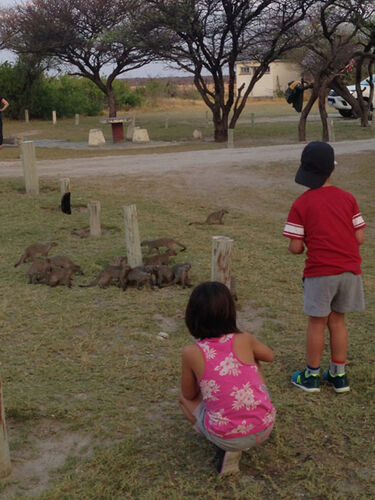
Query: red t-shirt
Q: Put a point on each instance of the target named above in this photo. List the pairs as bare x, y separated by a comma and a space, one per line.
326, 220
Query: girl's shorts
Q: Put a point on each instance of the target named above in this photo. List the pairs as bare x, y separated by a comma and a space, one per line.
340, 293
232, 444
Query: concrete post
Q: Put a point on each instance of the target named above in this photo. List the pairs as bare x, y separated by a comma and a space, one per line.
64, 185
221, 263
54, 117
230, 137
29, 167
5, 465
132, 240
94, 215
76, 119
26, 115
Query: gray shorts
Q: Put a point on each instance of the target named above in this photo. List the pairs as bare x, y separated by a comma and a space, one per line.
340, 293
232, 444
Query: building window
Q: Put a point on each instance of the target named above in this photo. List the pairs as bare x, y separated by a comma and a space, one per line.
245, 70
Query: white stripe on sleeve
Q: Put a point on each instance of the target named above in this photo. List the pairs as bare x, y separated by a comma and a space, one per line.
358, 221
294, 230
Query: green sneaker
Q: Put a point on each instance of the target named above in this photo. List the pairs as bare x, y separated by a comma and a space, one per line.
309, 383
339, 382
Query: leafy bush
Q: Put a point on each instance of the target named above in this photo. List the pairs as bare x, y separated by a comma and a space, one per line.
126, 98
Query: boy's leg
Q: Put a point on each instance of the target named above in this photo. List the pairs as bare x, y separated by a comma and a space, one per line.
309, 379
188, 406
338, 336
315, 340
336, 375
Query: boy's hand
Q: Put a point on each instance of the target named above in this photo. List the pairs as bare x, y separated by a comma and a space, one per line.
296, 246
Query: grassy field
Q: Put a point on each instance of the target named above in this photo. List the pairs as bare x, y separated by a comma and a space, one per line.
91, 392
183, 117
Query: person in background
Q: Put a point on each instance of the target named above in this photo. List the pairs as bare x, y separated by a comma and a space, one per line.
3, 106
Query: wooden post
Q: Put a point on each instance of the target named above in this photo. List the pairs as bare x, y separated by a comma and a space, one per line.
5, 466
29, 167
94, 214
230, 137
64, 185
252, 116
221, 263
54, 117
26, 115
132, 240
76, 119
331, 131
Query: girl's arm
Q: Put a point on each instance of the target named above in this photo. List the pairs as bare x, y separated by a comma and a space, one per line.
189, 385
261, 351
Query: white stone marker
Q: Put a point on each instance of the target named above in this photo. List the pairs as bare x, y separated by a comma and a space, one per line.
96, 137
140, 135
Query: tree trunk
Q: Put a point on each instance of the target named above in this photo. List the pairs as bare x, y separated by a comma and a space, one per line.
323, 113
305, 113
220, 121
112, 108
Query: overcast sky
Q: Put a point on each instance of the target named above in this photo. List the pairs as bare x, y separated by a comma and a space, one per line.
150, 70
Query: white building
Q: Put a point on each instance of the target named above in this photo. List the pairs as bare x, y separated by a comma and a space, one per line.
276, 78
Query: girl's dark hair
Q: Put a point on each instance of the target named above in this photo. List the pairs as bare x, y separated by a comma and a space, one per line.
211, 311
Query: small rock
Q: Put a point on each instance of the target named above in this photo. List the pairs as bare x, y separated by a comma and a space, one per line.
162, 335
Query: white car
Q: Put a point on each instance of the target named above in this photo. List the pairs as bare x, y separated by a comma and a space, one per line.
342, 106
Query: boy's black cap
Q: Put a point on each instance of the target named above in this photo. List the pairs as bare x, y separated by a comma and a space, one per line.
317, 164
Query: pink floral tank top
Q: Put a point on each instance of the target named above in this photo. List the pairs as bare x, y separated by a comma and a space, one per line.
237, 401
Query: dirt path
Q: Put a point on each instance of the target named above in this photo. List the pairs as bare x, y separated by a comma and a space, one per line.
156, 164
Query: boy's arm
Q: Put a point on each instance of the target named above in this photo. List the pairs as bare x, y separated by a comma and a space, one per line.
360, 235
189, 385
296, 246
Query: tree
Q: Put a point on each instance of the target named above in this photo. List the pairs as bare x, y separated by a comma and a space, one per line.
208, 37
90, 36
331, 39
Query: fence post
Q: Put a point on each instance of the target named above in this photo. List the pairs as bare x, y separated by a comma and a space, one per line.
252, 116
76, 119
230, 138
167, 121
221, 262
54, 117
5, 465
26, 115
132, 240
64, 185
331, 131
94, 215
29, 167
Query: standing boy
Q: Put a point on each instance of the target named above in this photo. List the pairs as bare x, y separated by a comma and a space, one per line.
3, 106
328, 222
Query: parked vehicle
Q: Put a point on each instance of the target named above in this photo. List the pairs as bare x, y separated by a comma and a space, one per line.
342, 106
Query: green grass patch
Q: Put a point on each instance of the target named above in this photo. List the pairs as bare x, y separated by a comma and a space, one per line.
87, 361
